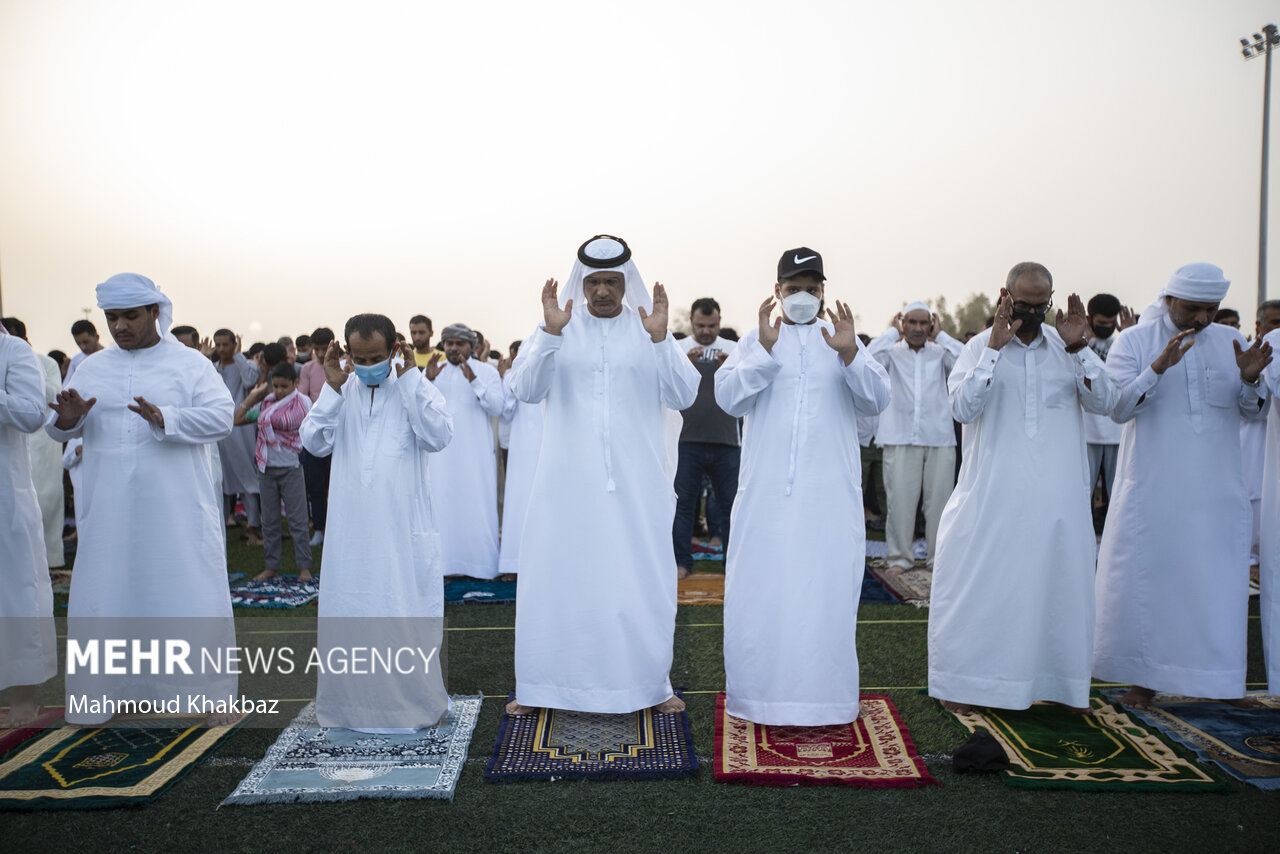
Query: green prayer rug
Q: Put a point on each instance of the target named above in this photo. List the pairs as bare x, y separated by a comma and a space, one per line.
83, 768
1049, 746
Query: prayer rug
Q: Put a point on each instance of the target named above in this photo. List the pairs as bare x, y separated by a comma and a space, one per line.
1051, 747
553, 744
474, 590
84, 768
873, 752
234, 576
314, 764
703, 551
45, 718
874, 592
700, 588
283, 591
911, 585
1243, 742
880, 549
61, 581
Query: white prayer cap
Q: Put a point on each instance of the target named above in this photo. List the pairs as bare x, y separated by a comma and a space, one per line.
1198, 282
600, 253
916, 306
130, 290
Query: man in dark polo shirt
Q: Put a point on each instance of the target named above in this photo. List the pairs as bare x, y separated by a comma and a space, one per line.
708, 439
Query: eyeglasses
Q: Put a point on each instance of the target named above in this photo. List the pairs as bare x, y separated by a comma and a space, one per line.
1042, 308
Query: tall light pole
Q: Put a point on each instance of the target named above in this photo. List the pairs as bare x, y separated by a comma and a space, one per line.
1261, 46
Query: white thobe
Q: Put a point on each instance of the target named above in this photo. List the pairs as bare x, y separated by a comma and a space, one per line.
596, 605
1173, 580
46, 471
151, 541
525, 440
239, 474
28, 646
464, 476
1253, 451
796, 557
1269, 541
381, 549
1011, 609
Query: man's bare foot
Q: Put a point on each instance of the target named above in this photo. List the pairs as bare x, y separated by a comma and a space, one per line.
1246, 703
232, 523
864, 709
254, 537
265, 575
956, 708
1138, 698
514, 708
305, 575
1079, 710
1255, 573
507, 576
23, 709
715, 542
670, 706
682, 572
223, 719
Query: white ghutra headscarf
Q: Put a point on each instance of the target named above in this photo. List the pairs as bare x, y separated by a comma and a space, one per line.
606, 249
129, 290
1198, 282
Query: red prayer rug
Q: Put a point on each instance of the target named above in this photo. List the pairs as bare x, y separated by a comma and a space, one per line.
873, 752
45, 718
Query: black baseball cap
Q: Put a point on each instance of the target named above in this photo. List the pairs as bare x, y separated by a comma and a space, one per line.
797, 261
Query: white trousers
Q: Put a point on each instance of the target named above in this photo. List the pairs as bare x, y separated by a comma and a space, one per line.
907, 470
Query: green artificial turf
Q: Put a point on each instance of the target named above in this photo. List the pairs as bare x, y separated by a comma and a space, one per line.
964, 814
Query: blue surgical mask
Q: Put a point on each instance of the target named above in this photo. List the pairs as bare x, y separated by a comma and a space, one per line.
373, 375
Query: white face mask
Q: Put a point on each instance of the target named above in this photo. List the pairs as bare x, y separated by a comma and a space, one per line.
801, 308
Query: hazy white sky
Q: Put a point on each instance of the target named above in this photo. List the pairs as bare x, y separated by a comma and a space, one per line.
278, 166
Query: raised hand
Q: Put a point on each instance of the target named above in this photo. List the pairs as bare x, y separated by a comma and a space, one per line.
769, 331
334, 374
481, 350
206, 347
466, 370
1174, 351
1126, 318
71, 407
896, 323
409, 363
1071, 326
844, 340
656, 324
433, 367
1002, 331
720, 357
935, 326
695, 353
554, 318
238, 342
1252, 361
504, 365
149, 411
257, 393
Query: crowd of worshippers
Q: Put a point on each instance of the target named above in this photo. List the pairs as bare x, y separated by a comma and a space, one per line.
584, 459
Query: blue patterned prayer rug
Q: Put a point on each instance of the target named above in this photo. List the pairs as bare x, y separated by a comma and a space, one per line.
283, 591
313, 764
553, 744
874, 592
86, 767
1243, 742
474, 590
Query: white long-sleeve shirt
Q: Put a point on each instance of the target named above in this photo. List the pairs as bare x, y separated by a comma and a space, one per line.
918, 413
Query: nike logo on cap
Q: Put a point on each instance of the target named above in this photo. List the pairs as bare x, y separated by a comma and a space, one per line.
800, 260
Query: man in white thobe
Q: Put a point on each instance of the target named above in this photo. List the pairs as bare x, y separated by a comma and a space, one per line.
1269, 540
1173, 585
150, 549
1011, 609
28, 646
464, 476
524, 441
239, 474
381, 556
916, 430
795, 561
1253, 443
46, 459
596, 606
